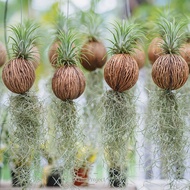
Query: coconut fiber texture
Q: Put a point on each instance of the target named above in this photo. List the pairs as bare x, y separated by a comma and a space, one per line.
170, 72
121, 72
93, 55
18, 75
68, 82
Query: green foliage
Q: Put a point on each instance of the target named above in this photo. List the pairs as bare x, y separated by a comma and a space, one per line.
126, 36
23, 39
91, 23
173, 34
67, 50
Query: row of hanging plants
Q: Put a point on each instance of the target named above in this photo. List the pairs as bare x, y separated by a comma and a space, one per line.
111, 114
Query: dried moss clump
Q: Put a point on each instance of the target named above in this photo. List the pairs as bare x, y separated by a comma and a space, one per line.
67, 135
118, 130
167, 130
24, 135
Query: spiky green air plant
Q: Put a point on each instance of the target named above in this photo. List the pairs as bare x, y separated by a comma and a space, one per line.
93, 53
68, 83
18, 74
61, 24
169, 72
24, 136
121, 74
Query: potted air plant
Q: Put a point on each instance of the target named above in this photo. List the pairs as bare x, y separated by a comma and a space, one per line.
170, 72
121, 73
24, 108
68, 83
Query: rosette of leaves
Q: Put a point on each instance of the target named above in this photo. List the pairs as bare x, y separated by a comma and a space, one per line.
24, 136
121, 73
19, 74
169, 72
61, 24
93, 53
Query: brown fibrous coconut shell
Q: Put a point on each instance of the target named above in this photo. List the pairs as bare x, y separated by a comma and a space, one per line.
170, 72
139, 56
53, 54
35, 57
185, 53
68, 82
155, 50
121, 72
18, 75
93, 55
3, 54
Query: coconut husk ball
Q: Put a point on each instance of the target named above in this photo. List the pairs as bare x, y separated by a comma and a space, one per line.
154, 49
35, 54
170, 72
121, 72
18, 75
93, 55
68, 82
52, 54
3, 54
185, 53
139, 56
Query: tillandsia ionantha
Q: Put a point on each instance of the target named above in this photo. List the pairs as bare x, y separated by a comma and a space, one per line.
93, 52
170, 72
24, 109
121, 73
19, 74
68, 83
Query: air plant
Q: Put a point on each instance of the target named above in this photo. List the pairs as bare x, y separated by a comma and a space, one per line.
61, 24
18, 74
169, 72
68, 83
121, 73
93, 52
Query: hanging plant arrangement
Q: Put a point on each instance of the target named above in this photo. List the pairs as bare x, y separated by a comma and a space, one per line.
68, 83
121, 73
24, 109
3, 54
169, 72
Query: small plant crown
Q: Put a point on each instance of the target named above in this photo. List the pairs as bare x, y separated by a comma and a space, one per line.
91, 23
173, 33
67, 50
23, 40
126, 37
